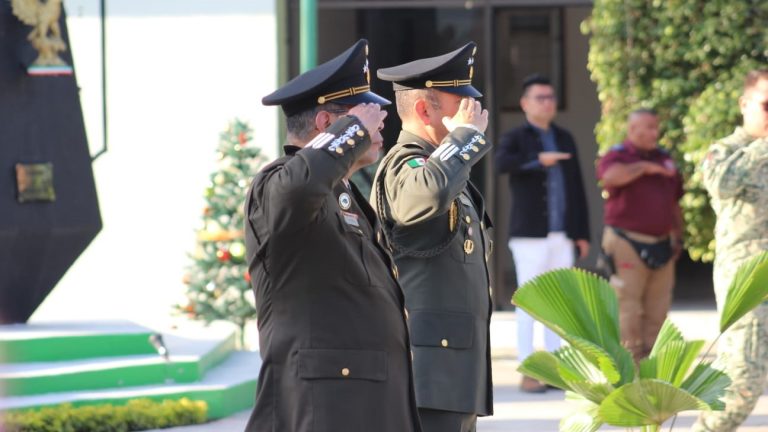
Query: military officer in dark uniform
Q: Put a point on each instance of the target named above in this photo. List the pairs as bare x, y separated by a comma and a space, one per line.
435, 224
332, 326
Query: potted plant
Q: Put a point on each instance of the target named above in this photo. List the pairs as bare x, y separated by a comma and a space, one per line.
598, 373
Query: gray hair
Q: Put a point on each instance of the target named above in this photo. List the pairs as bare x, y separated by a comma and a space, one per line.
404, 99
302, 125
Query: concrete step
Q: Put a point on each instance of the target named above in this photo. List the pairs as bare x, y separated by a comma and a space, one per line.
190, 356
57, 341
227, 388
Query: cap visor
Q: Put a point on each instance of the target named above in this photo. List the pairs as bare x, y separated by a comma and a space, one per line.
367, 97
466, 90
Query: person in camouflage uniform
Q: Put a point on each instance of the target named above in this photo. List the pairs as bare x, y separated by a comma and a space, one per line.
735, 172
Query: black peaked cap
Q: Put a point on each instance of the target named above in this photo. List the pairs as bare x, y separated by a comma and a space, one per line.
451, 73
344, 79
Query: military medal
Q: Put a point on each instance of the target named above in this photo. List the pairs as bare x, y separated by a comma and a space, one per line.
453, 216
345, 201
469, 246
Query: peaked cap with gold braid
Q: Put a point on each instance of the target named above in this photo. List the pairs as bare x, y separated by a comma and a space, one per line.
344, 80
451, 73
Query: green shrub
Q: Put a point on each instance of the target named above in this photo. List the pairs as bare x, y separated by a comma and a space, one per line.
675, 56
136, 415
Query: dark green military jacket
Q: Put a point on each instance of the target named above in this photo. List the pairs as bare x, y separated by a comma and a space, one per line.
332, 328
436, 224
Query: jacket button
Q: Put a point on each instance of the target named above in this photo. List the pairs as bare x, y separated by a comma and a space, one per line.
345, 372
444, 343
378, 236
482, 224
468, 219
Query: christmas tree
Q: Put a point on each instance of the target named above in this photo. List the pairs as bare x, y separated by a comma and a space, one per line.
218, 283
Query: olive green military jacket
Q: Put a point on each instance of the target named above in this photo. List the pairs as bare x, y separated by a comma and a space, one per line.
435, 224
332, 328
735, 173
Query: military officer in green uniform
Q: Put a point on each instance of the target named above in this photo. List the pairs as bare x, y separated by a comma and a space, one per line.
735, 173
332, 328
435, 224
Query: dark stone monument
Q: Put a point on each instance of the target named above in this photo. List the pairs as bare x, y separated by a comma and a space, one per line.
49, 211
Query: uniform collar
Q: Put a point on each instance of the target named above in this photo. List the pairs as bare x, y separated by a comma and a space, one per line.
290, 150
409, 137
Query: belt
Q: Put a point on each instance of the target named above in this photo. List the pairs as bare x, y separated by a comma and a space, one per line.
644, 238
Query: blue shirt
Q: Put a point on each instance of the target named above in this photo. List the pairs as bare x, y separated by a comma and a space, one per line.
555, 184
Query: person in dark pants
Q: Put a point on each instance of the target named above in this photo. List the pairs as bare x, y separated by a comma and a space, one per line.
332, 329
549, 206
435, 222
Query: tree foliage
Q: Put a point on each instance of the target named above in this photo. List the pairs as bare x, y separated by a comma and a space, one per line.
686, 59
218, 283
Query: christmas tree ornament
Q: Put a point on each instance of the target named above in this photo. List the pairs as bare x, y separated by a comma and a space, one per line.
237, 249
218, 260
223, 255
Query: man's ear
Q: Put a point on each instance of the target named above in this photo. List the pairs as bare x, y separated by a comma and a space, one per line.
742, 103
421, 112
523, 103
322, 121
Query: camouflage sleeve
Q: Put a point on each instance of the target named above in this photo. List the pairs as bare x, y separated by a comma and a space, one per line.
296, 192
419, 189
731, 170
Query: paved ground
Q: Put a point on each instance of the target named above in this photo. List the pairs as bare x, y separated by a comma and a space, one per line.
523, 412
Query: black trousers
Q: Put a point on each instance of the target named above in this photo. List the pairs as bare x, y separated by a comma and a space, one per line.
446, 421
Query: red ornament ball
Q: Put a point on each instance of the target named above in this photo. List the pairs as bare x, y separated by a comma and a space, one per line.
223, 255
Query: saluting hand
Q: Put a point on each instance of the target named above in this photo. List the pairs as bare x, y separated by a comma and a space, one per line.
470, 113
370, 115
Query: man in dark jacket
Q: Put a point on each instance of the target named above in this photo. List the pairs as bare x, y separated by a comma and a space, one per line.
435, 222
332, 328
549, 207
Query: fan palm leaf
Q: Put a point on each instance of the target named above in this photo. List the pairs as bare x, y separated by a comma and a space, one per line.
748, 289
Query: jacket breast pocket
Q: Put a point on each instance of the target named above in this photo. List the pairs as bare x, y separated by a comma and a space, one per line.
454, 330
342, 364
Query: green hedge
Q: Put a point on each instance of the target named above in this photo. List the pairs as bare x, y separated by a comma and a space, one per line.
136, 415
685, 59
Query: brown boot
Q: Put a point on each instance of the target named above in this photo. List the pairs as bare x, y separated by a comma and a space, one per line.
530, 385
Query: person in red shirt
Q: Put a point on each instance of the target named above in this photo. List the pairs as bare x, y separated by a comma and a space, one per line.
643, 226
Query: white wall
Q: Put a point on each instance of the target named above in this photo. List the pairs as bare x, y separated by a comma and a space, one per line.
178, 72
